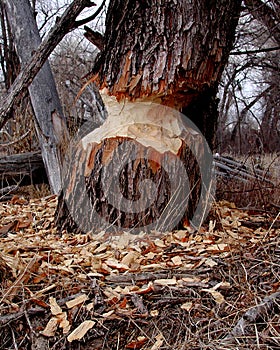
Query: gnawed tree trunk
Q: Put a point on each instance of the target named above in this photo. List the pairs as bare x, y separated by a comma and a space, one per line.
172, 53
133, 171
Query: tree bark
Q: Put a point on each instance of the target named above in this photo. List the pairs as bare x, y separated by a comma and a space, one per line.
169, 52
43, 93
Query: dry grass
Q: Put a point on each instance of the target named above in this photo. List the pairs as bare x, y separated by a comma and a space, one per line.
255, 194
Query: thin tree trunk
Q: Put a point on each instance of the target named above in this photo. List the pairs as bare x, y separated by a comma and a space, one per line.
43, 92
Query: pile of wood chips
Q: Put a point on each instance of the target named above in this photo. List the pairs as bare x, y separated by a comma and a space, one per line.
218, 288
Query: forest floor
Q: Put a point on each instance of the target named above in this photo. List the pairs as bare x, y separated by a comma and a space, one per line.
218, 288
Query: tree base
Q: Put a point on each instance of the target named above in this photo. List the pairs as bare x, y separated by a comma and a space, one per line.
139, 175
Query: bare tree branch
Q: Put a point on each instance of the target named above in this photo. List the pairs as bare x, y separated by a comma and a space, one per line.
247, 52
64, 25
94, 37
92, 17
266, 15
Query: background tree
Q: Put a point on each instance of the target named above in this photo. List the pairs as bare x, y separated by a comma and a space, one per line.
250, 81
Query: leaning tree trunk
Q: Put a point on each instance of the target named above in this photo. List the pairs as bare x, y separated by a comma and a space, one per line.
43, 93
147, 167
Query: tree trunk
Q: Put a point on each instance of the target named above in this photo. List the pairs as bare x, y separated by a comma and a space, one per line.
43, 93
172, 53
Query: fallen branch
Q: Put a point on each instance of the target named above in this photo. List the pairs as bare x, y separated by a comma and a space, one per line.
149, 276
251, 317
7, 190
22, 137
21, 170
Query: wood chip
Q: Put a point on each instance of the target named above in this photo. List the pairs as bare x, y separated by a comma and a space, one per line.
77, 301
80, 331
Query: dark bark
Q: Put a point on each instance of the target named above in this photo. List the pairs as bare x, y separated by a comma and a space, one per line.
94, 37
110, 217
176, 49
169, 52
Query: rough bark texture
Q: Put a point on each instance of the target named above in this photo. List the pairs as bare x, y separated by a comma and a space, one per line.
169, 52
43, 93
133, 172
63, 26
45, 101
173, 48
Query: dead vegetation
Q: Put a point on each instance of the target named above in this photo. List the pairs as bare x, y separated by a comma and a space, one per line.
218, 288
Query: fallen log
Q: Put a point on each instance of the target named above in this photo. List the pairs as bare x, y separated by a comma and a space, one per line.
22, 169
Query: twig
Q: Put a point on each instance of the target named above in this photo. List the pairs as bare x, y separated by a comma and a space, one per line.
14, 339
149, 276
7, 190
6, 319
6, 144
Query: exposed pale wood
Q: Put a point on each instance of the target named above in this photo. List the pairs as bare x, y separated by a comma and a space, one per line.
139, 144
169, 52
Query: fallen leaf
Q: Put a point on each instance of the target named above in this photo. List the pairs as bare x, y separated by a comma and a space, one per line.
123, 303
154, 313
187, 306
6, 228
137, 344
219, 298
